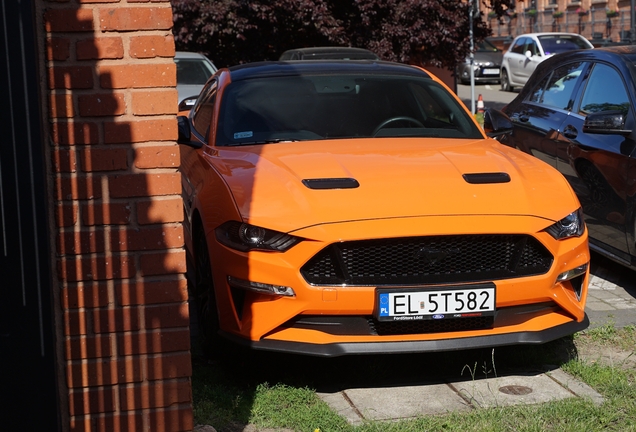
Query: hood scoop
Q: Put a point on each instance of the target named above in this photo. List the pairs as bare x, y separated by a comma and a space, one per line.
486, 178
331, 183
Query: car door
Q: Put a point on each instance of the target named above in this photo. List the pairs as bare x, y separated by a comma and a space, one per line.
597, 165
532, 57
538, 118
191, 178
515, 57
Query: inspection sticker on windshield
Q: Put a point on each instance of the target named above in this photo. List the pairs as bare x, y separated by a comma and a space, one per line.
460, 301
247, 134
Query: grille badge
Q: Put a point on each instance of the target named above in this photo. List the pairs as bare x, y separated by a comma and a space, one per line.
434, 256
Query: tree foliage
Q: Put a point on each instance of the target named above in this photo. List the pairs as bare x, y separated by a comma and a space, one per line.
411, 31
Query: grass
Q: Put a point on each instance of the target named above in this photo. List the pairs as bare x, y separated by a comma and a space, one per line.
279, 391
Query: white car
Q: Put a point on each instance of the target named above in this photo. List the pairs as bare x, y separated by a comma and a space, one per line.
528, 50
193, 71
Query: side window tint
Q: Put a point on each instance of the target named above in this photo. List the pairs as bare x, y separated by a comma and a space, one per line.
559, 91
604, 91
537, 94
203, 110
518, 46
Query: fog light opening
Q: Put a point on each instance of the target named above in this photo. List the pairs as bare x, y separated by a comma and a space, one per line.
262, 288
575, 276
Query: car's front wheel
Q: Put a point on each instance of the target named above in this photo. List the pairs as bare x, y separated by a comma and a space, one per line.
205, 298
505, 81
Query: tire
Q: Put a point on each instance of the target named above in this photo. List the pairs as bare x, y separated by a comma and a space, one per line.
204, 296
505, 81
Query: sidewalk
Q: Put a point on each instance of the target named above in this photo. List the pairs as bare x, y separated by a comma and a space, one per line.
611, 297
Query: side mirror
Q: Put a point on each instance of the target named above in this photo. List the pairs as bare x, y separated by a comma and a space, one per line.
187, 103
606, 122
496, 123
528, 54
185, 135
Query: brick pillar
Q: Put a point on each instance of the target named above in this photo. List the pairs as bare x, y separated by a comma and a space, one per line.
115, 197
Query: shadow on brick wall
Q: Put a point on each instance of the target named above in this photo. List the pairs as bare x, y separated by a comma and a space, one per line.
121, 291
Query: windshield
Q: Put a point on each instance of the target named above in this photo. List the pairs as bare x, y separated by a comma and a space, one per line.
193, 71
485, 46
556, 44
313, 107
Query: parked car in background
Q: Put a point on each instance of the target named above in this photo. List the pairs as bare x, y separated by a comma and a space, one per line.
528, 50
328, 53
350, 207
486, 64
577, 114
193, 71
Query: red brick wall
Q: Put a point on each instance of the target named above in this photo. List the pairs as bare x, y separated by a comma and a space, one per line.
120, 264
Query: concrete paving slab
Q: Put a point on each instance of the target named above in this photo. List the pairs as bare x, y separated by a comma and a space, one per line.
403, 402
512, 390
394, 403
577, 387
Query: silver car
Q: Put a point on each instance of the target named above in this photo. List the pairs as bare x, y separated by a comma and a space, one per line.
193, 71
528, 50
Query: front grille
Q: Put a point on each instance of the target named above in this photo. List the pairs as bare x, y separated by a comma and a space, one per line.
387, 328
428, 260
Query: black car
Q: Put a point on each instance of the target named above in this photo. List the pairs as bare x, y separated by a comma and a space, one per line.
486, 64
576, 113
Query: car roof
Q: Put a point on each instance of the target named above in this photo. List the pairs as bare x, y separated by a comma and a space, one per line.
186, 54
626, 53
300, 67
549, 34
312, 53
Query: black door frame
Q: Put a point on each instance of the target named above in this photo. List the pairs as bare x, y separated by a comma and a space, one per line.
30, 397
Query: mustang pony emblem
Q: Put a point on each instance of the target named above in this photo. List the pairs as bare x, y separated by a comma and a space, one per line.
434, 255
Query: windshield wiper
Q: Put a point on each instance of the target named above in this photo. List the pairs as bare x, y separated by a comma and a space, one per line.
270, 141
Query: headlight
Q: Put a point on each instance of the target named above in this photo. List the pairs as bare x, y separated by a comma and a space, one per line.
245, 237
572, 225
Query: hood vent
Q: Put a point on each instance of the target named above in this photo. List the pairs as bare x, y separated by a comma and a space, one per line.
485, 178
331, 183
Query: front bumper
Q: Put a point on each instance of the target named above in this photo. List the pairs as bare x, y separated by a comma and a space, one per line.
416, 346
530, 309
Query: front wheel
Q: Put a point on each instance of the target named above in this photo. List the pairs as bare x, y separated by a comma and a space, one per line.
205, 298
505, 81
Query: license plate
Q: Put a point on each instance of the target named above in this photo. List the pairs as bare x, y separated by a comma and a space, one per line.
491, 72
400, 304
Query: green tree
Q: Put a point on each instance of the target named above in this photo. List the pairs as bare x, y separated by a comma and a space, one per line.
411, 31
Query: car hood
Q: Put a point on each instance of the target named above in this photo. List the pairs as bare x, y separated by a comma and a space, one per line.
401, 177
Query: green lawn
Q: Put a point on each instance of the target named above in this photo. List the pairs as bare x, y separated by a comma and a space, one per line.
279, 391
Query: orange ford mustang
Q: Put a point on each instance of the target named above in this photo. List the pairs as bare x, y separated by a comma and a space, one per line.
349, 207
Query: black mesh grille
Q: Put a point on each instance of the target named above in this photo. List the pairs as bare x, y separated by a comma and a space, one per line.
426, 260
386, 328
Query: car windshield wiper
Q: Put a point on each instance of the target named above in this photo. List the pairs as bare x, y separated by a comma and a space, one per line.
270, 141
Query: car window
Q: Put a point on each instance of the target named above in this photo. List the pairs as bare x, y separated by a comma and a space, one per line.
193, 71
531, 46
557, 89
599, 96
203, 110
517, 47
313, 107
553, 44
485, 46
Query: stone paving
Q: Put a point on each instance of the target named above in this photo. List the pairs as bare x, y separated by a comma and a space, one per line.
611, 295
